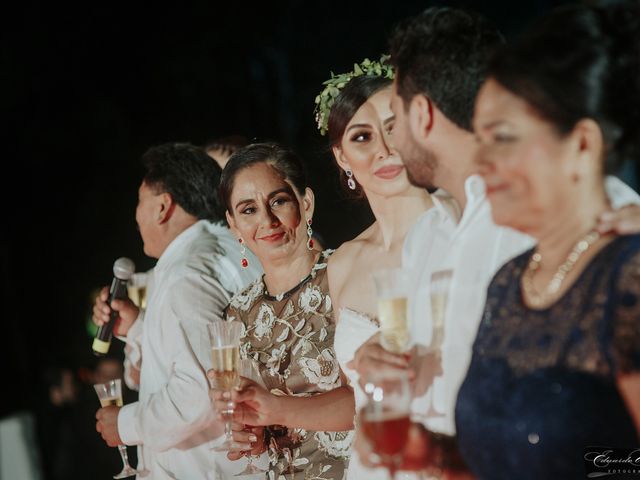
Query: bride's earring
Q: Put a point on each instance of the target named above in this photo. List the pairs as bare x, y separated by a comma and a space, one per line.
351, 183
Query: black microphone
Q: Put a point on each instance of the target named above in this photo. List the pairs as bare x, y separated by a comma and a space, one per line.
123, 269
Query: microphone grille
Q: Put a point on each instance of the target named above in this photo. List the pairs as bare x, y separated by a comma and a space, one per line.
123, 268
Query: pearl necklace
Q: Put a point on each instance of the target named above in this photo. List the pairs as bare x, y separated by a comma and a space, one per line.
540, 299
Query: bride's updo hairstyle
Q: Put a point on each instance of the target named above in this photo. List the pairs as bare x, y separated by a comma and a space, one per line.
581, 62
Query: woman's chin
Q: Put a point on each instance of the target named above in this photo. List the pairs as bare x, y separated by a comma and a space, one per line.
279, 250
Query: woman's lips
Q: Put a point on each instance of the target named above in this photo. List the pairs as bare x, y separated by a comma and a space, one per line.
388, 172
274, 237
491, 189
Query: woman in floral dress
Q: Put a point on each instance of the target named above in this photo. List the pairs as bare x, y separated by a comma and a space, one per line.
307, 409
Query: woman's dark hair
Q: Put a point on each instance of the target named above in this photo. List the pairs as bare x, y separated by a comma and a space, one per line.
188, 174
581, 62
354, 94
280, 158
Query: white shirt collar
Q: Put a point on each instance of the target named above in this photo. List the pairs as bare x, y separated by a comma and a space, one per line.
174, 249
475, 190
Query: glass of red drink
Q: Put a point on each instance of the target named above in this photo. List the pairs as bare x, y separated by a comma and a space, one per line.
385, 419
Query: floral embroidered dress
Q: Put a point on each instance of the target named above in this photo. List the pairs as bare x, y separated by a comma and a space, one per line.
291, 338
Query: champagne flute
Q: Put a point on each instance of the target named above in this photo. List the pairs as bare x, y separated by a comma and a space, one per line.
248, 369
137, 289
225, 357
392, 290
385, 418
439, 296
110, 393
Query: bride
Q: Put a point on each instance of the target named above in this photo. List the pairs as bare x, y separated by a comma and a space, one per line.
359, 123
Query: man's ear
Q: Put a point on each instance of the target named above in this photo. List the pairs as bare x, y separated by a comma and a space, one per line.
420, 117
166, 207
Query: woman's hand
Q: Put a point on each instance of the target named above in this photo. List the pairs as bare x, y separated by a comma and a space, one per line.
252, 404
625, 220
247, 440
127, 312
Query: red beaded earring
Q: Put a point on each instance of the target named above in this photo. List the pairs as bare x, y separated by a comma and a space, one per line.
309, 234
243, 251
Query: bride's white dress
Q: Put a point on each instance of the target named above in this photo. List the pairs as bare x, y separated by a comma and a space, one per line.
353, 329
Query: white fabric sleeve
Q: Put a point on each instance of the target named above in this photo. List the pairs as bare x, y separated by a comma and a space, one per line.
133, 351
181, 408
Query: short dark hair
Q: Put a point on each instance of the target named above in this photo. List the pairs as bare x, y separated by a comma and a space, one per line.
228, 144
443, 54
279, 157
353, 95
581, 62
187, 173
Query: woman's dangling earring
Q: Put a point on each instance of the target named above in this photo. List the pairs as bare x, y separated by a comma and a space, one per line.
243, 251
309, 234
351, 183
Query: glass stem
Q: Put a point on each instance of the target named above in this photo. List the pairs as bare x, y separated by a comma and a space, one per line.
228, 433
123, 454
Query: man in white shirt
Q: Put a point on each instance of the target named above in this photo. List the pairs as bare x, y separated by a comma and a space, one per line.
198, 270
440, 57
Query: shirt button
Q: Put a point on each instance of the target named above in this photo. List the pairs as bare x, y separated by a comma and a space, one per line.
533, 438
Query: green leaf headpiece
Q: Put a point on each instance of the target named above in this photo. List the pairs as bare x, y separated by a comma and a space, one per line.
332, 87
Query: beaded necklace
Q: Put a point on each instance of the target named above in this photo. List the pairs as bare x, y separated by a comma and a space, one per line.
539, 299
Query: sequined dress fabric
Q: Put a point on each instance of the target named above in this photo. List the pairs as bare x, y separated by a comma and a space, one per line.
542, 383
291, 339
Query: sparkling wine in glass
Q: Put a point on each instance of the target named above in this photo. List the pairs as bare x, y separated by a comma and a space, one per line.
137, 289
439, 297
385, 419
392, 288
110, 393
225, 357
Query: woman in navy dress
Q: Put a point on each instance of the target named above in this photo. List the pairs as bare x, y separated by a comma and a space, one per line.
556, 362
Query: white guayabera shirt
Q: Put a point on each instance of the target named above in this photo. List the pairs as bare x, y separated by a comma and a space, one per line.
474, 248
173, 422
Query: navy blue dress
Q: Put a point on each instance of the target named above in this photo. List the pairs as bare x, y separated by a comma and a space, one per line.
542, 383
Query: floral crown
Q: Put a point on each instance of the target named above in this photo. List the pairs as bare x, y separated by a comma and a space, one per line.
332, 88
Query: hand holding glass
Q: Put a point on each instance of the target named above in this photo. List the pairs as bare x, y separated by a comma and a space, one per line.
110, 393
247, 369
225, 356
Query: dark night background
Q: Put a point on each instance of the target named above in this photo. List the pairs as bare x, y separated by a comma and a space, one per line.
85, 90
